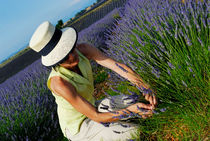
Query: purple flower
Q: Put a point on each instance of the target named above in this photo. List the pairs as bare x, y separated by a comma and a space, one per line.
188, 40
123, 69
146, 91
168, 71
163, 109
155, 112
190, 69
156, 72
200, 42
184, 83
170, 65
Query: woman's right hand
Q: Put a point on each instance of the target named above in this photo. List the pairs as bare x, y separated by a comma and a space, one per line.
145, 112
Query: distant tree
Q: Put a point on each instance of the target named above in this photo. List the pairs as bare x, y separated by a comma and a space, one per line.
59, 24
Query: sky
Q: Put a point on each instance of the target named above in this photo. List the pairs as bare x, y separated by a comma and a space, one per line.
20, 18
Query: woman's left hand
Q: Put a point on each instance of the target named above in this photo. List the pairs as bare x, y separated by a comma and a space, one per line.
150, 96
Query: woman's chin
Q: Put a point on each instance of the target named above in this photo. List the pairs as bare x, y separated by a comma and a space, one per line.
72, 65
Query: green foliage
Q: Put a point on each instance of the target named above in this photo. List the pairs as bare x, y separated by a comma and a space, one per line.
98, 1
116, 16
100, 77
59, 24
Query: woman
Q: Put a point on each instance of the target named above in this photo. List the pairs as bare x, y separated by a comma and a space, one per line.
71, 83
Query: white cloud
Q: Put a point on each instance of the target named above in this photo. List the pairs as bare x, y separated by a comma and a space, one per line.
73, 2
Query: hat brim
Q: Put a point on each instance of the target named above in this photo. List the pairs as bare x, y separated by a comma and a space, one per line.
63, 47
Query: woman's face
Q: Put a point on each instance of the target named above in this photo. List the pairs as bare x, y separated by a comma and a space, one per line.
71, 61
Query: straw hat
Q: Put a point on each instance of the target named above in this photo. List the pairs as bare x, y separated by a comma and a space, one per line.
53, 44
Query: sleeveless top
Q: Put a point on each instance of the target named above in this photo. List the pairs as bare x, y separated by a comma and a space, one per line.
68, 116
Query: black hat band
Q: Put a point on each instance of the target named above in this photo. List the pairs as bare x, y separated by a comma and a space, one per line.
52, 43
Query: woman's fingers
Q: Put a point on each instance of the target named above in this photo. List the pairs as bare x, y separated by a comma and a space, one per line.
146, 114
147, 97
151, 98
154, 100
145, 106
144, 110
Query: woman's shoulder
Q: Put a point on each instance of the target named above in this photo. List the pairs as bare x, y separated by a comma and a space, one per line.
83, 48
57, 84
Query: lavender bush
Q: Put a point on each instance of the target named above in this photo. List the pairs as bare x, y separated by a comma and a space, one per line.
167, 44
28, 110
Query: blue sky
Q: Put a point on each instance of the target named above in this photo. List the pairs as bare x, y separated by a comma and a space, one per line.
19, 19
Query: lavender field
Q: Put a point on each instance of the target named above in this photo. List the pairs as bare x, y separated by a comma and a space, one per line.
165, 42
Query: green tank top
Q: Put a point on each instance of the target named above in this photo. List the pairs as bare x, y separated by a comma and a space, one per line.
68, 116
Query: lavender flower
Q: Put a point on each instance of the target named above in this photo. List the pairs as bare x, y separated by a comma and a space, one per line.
168, 71
146, 91
200, 42
190, 69
184, 83
121, 67
163, 109
156, 72
188, 40
170, 65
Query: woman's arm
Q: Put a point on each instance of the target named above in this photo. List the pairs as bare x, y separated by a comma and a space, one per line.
95, 54
120, 68
67, 91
